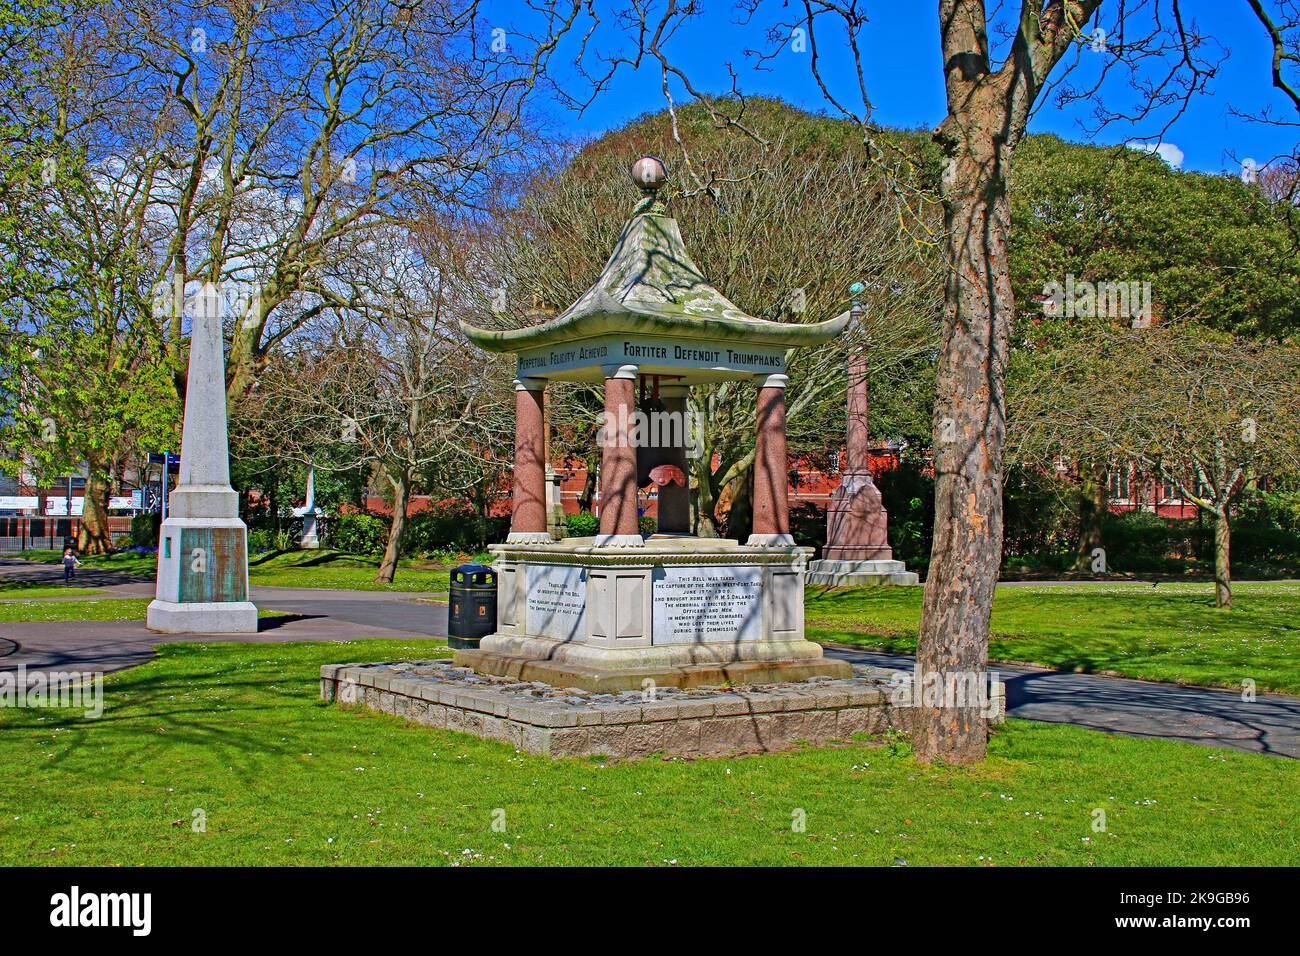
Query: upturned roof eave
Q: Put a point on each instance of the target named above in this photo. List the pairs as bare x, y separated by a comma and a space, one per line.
585, 324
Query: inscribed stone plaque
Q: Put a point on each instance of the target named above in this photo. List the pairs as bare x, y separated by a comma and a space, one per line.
697, 604
557, 602
212, 564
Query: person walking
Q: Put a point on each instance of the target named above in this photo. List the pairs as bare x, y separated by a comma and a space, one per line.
70, 565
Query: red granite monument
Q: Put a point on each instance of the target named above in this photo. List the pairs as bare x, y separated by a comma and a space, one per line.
857, 548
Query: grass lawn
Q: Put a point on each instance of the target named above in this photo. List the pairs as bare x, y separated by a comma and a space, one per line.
108, 609
288, 569
1172, 632
334, 569
238, 732
10, 587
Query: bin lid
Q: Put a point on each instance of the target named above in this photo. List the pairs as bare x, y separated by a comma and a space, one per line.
470, 570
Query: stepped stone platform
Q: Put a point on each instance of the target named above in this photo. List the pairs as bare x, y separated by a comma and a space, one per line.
570, 722
844, 574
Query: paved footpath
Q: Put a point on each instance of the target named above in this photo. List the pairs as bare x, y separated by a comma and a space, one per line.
1218, 718
1269, 724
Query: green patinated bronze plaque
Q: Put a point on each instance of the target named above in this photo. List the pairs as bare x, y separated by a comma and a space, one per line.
212, 565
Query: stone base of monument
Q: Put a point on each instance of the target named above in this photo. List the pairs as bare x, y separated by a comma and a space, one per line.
843, 574
677, 611
541, 718
608, 680
206, 617
202, 581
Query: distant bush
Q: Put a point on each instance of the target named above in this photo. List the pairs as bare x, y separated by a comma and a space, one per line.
260, 539
1040, 520
584, 524
808, 526
908, 495
358, 533
1268, 528
452, 526
145, 530
268, 539
647, 524
1136, 541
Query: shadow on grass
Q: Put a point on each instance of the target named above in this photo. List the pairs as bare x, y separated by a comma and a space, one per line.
241, 711
311, 560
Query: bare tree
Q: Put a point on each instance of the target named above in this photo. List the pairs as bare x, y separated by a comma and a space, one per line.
261, 141
1206, 413
389, 383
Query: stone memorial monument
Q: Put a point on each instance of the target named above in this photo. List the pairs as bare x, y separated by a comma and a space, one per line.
202, 583
625, 645
617, 611
309, 540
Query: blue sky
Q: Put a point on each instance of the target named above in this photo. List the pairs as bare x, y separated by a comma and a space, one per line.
902, 66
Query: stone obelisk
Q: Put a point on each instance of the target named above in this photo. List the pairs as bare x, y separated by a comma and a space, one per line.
203, 548
309, 540
857, 526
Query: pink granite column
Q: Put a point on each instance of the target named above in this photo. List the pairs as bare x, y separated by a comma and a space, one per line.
771, 467
859, 440
675, 499
618, 517
528, 496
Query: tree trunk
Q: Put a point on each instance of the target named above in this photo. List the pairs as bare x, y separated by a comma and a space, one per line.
1092, 512
93, 536
244, 364
969, 433
587, 500
274, 501
704, 501
401, 494
1222, 559
740, 518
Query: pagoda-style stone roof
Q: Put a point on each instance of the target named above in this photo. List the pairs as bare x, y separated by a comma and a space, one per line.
651, 287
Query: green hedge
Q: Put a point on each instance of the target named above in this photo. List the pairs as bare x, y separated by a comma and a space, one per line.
145, 529
584, 524
452, 526
358, 533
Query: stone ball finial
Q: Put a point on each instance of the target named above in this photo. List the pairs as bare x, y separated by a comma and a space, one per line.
857, 288
649, 173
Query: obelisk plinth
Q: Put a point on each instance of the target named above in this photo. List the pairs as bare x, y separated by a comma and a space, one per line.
203, 548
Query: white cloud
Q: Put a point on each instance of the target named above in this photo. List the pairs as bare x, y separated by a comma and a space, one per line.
1170, 153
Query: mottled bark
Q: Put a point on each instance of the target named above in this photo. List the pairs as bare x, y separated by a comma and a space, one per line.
1222, 559
740, 518
969, 435
244, 363
704, 502
93, 536
987, 111
587, 500
401, 483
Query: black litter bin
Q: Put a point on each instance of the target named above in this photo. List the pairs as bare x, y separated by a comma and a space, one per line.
472, 614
